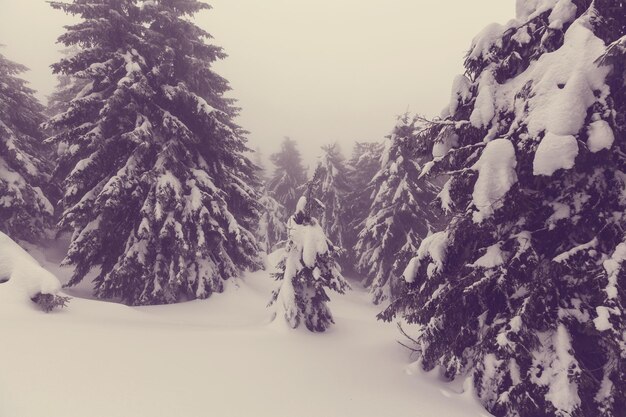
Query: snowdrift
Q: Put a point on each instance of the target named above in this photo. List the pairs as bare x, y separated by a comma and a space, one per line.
22, 277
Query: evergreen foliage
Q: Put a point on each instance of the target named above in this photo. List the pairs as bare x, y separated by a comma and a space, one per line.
65, 91
333, 190
362, 167
272, 229
524, 287
400, 214
308, 266
25, 211
288, 177
272, 225
48, 302
158, 192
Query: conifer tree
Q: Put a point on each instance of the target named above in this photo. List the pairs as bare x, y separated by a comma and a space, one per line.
272, 229
362, 167
159, 194
259, 162
400, 215
308, 266
333, 189
66, 90
289, 175
25, 211
524, 288
272, 225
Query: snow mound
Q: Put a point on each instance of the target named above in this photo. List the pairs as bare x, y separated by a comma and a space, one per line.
433, 250
601, 136
553, 153
21, 276
490, 35
309, 241
493, 257
567, 82
461, 92
496, 176
564, 12
484, 108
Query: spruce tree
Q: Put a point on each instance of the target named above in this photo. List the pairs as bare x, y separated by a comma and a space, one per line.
524, 288
289, 175
400, 215
259, 161
66, 90
159, 194
333, 190
272, 228
362, 167
308, 266
25, 211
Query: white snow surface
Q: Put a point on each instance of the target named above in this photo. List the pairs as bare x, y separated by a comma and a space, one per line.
557, 361
564, 12
561, 9
602, 322
493, 257
461, 92
613, 266
432, 248
553, 153
21, 278
600, 136
565, 82
219, 356
496, 176
563, 85
301, 205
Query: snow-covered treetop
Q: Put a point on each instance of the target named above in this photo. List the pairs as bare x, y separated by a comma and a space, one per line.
362, 167
19, 109
332, 191
288, 176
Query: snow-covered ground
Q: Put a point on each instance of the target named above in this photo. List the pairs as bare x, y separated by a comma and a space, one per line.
222, 357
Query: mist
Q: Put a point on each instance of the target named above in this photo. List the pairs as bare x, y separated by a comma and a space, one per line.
318, 72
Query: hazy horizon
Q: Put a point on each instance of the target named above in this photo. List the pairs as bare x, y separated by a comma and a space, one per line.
317, 72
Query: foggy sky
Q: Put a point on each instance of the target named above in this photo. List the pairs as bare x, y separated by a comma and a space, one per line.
317, 71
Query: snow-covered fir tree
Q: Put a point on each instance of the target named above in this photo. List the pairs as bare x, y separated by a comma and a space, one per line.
159, 194
524, 289
272, 229
289, 175
308, 266
362, 167
333, 190
401, 213
66, 90
272, 224
259, 160
25, 211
